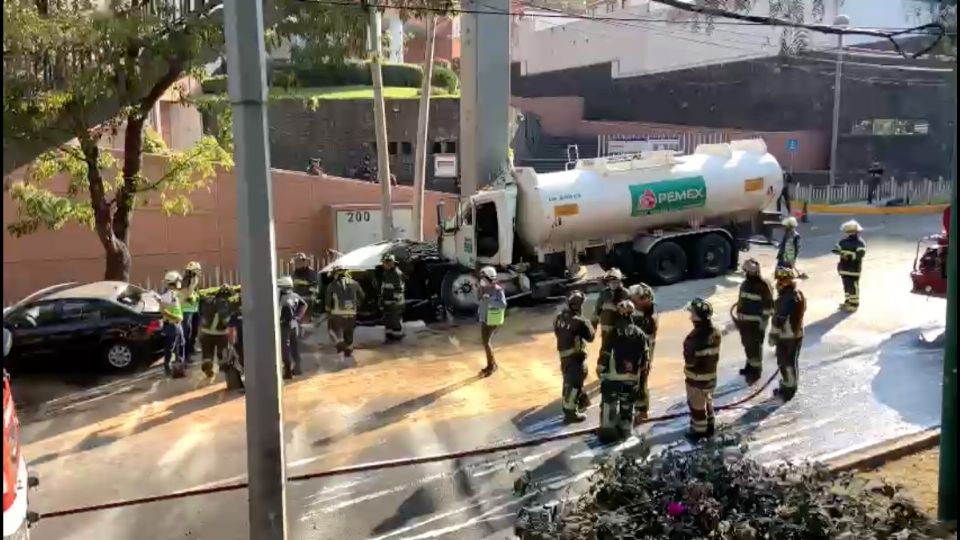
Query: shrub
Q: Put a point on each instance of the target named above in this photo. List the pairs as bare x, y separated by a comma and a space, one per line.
445, 78
284, 78
714, 491
406, 75
216, 84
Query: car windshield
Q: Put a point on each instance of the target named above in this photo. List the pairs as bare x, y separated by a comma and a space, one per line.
137, 299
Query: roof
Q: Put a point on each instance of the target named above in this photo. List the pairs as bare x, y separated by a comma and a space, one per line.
99, 289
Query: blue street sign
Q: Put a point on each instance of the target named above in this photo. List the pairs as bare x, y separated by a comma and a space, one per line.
793, 145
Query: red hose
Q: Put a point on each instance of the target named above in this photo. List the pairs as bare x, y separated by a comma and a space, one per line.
393, 464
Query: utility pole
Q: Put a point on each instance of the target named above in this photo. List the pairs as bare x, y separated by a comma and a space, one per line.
423, 128
375, 48
247, 87
841, 20
947, 503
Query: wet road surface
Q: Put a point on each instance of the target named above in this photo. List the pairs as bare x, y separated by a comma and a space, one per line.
864, 378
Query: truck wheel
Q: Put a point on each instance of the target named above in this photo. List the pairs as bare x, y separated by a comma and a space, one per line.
666, 263
460, 292
711, 256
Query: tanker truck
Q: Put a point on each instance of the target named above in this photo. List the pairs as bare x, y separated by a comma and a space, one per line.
658, 216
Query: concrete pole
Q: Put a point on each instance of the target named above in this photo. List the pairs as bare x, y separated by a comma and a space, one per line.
247, 87
841, 20
423, 128
485, 92
374, 36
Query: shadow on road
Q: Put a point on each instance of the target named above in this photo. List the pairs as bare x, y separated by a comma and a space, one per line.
909, 379
396, 413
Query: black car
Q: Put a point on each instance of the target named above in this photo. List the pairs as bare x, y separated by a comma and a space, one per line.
113, 322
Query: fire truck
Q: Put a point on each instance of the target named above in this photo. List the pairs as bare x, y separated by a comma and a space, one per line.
929, 273
17, 518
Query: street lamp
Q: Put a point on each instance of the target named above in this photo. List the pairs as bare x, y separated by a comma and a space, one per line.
841, 21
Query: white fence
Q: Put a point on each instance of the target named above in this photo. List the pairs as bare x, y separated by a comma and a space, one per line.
924, 191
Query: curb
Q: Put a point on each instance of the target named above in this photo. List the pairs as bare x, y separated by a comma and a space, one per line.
877, 210
875, 456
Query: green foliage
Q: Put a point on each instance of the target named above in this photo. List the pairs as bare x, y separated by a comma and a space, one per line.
444, 77
714, 491
216, 84
153, 142
403, 75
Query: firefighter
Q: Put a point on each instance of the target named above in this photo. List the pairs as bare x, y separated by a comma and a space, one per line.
753, 310
215, 314
701, 353
172, 314
190, 303
233, 371
392, 298
619, 370
786, 333
605, 312
851, 249
344, 296
292, 310
573, 331
789, 248
645, 317
305, 279
491, 312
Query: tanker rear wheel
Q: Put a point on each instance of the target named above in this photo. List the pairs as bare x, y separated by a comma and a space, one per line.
666, 263
460, 292
711, 256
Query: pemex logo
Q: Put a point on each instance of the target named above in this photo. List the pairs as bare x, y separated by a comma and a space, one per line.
668, 196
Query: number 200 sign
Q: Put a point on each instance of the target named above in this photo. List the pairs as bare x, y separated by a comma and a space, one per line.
358, 216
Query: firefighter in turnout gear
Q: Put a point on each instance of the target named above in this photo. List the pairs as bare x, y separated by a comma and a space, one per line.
701, 353
619, 371
752, 315
786, 333
190, 303
573, 332
215, 314
605, 312
392, 300
292, 310
851, 249
306, 283
645, 317
344, 296
789, 248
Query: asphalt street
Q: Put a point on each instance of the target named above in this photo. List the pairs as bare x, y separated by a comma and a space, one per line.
864, 378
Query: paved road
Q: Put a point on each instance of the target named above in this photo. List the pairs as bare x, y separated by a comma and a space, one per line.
864, 378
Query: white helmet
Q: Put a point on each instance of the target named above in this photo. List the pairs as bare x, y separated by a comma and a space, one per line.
193, 266
613, 274
488, 272
172, 277
789, 222
285, 282
851, 227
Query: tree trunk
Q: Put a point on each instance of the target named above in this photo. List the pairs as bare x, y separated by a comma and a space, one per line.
118, 261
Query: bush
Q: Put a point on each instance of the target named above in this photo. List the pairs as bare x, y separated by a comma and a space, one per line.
714, 491
355, 74
444, 77
405, 75
284, 78
216, 84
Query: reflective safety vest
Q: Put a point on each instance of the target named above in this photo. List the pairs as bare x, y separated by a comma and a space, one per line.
701, 354
756, 300
170, 307
789, 249
626, 354
573, 331
343, 297
851, 249
189, 298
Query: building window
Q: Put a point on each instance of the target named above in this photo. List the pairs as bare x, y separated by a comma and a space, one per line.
890, 127
437, 148
406, 148
392, 148
451, 147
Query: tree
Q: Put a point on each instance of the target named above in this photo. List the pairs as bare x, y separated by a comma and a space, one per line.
63, 60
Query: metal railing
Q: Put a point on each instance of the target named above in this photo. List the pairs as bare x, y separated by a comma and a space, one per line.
925, 191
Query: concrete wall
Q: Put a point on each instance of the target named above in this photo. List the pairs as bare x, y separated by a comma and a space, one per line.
303, 222
645, 45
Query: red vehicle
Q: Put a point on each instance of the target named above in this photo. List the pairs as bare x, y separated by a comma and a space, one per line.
929, 273
16, 517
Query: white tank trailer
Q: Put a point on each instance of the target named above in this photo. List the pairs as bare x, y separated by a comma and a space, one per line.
659, 216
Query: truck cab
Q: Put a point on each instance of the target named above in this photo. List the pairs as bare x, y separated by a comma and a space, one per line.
483, 231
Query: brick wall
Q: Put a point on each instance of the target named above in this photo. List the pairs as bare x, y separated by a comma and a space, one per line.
302, 220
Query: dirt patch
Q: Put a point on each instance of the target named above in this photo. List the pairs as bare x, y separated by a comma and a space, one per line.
917, 473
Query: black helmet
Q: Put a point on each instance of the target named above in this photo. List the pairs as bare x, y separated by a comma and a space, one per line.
575, 300
701, 308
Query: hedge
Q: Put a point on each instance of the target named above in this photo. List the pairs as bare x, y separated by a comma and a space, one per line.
216, 84
444, 77
349, 73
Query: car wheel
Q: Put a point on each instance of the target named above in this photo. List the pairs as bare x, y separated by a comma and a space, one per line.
119, 356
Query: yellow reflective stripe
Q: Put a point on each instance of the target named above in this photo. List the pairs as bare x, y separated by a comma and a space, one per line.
768, 312
756, 318
630, 377
699, 377
750, 296
849, 273
387, 286
212, 332
338, 311
861, 249
707, 352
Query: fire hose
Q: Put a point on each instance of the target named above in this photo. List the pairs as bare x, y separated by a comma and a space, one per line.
392, 464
